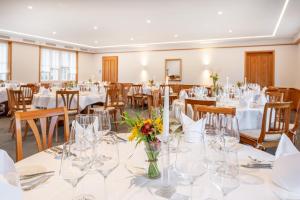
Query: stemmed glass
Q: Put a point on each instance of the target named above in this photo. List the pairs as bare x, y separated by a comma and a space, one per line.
190, 159
72, 169
175, 127
104, 121
108, 147
230, 130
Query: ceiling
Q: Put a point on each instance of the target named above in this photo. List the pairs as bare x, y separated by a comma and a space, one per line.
100, 24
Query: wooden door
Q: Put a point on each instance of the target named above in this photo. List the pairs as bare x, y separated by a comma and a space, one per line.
259, 67
110, 68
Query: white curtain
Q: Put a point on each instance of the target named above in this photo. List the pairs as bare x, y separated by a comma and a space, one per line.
4, 71
58, 65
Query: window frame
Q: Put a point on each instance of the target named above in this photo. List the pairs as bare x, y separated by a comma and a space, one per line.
9, 58
61, 50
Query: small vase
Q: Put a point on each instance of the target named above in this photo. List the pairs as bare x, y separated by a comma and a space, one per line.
152, 151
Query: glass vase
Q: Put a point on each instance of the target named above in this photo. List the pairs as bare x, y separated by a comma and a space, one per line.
152, 151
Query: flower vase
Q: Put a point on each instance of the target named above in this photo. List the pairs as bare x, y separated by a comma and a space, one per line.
152, 151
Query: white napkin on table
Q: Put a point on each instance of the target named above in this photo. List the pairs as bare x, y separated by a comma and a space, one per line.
286, 170
183, 95
9, 183
192, 129
262, 99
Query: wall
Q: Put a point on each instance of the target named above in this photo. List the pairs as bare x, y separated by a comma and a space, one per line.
25, 63
297, 81
196, 64
88, 67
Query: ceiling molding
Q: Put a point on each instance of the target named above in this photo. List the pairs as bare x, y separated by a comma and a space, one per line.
94, 49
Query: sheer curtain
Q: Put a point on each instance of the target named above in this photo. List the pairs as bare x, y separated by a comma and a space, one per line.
4, 70
58, 65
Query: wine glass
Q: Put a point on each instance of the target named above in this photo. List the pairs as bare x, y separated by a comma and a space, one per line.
230, 131
190, 159
226, 175
72, 169
108, 147
104, 121
175, 127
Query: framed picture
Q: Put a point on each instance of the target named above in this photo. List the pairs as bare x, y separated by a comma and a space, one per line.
173, 69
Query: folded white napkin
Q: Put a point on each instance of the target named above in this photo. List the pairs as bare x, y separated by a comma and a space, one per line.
262, 99
9, 181
183, 95
192, 130
79, 131
286, 171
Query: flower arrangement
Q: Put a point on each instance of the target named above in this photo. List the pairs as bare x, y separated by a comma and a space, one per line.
151, 82
146, 131
215, 87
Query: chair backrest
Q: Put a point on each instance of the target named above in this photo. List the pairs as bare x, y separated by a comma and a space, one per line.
296, 119
27, 91
43, 140
275, 96
68, 97
137, 89
195, 102
46, 85
112, 97
201, 110
276, 119
153, 100
16, 100
176, 88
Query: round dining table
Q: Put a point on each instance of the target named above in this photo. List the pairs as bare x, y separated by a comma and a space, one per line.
127, 184
48, 100
248, 117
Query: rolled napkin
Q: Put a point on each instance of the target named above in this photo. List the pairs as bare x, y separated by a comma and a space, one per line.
9, 181
183, 95
286, 171
192, 129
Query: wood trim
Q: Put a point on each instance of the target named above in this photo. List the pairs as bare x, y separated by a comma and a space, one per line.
262, 51
77, 58
10, 60
40, 54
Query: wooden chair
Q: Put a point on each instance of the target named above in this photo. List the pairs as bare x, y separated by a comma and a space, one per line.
43, 140
202, 110
153, 101
275, 96
27, 91
46, 85
195, 102
275, 122
138, 97
294, 127
68, 97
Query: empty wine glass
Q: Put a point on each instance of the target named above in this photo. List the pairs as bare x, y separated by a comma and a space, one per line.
226, 175
230, 131
190, 159
108, 147
104, 121
72, 169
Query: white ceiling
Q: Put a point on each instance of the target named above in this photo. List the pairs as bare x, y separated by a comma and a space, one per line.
120, 20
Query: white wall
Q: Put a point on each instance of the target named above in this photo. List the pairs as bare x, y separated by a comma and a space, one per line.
297, 81
88, 67
142, 66
25, 63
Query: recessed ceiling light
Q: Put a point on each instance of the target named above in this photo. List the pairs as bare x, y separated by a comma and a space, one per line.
220, 12
131, 38
148, 21
95, 27
54, 33
29, 7
230, 31
176, 36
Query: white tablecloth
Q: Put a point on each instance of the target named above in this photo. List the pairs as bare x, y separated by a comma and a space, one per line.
248, 118
121, 184
3, 95
85, 99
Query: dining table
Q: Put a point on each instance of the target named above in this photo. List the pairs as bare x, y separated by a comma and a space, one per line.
249, 117
128, 180
48, 100
3, 94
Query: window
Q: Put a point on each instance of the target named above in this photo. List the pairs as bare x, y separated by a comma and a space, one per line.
4, 65
58, 65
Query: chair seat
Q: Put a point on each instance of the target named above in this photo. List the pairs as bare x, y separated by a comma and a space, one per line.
139, 96
117, 104
255, 133
72, 112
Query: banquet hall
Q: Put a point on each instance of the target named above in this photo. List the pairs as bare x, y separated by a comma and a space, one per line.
132, 99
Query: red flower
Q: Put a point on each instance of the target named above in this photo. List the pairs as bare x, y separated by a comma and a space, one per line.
147, 128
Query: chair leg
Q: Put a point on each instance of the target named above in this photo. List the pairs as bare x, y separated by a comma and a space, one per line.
13, 131
25, 131
56, 132
115, 120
